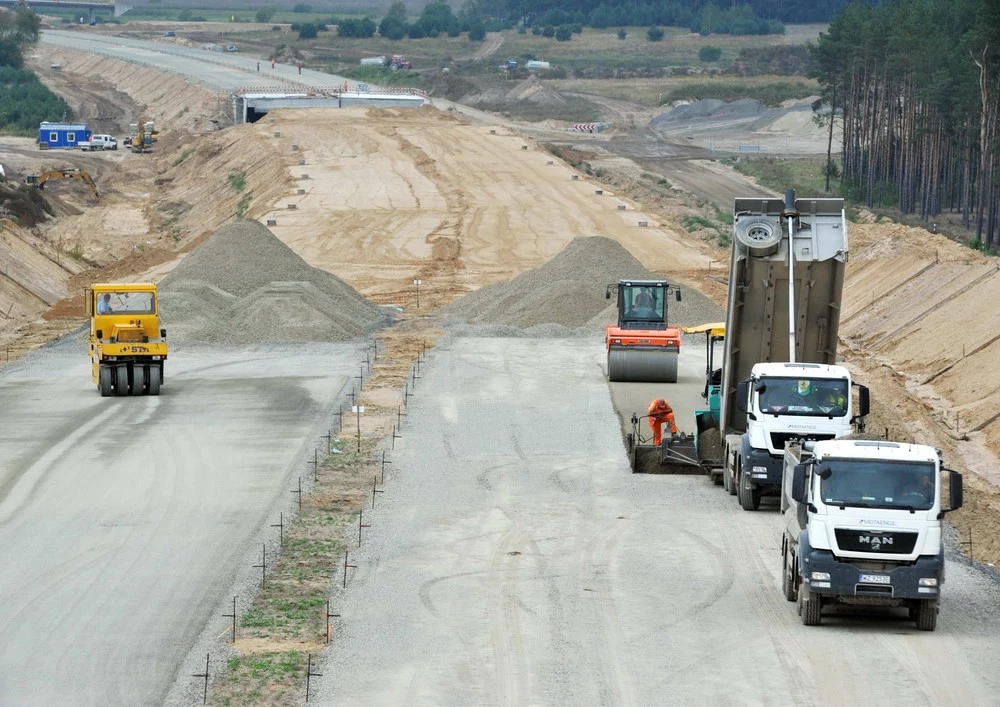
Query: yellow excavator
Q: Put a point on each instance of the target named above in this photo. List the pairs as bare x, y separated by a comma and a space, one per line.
80, 175
143, 135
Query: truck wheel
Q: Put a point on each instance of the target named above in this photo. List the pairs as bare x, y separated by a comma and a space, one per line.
926, 615
810, 608
155, 378
121, 380
788, 585
725, 480
138, 379
749, 497
104, 378
716, 478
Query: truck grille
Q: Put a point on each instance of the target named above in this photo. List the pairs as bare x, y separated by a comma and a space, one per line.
893, 543
779, 439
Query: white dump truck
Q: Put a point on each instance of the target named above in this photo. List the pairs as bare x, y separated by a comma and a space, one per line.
779, 375
863, 526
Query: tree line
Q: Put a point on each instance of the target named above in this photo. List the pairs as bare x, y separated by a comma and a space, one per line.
914, 88
24, 101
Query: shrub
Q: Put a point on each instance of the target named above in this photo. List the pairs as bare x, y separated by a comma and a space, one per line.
564, 33
654, 34
549, 31
709, 53
264, 14
477, 32
622, 34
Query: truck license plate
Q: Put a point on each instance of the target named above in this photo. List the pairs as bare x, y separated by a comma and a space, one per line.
875, 579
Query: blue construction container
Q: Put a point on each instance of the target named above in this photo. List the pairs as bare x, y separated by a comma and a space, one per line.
66, 136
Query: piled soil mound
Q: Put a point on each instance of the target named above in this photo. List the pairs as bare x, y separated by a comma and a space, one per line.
244, 286
566, 295
710, 108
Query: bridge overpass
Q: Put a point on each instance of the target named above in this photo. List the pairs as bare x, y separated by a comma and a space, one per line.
92, 6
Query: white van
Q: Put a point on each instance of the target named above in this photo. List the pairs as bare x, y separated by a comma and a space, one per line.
100, 142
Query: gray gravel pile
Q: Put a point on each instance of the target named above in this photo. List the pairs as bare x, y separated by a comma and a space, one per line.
244, 286
565, 297
710, 108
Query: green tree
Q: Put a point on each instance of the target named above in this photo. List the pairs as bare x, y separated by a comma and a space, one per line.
264, 14
564, 33
393, 25
622, 33
654, 34
308, 30
437, 17
477, 32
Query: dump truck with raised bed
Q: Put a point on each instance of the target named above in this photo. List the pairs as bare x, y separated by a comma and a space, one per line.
642, 346
127, 346
779, 375
863, 526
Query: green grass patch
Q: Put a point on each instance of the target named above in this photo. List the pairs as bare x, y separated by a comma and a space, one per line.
238, 180
243, 205
805, 176
185, 153
261, 678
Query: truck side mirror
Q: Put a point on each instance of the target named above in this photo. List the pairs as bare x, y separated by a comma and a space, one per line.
678, 295
799, 483
163, 333
742, 393
863, 400
955, 490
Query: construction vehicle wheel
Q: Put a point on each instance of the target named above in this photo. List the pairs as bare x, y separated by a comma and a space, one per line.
726, 484
138, 380
121, 380
716, 478
155, 378
749, 497
759, 234
104, 378
642, 366
810, 608
926, 615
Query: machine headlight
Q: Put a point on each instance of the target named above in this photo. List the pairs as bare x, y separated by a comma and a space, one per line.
928, 582
156, 358
820, 576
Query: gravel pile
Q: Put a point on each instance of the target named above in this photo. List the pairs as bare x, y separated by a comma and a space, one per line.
710, 108
565, 297
244, 286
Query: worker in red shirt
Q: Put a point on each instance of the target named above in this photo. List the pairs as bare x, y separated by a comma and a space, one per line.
660, 412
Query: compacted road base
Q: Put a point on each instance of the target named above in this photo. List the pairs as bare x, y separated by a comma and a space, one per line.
124, 521
513, 559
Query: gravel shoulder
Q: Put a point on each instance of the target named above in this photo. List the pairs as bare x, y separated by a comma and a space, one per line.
513, 559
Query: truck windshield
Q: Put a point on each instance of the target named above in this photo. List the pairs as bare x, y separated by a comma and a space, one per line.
643, 302
879, 484
803, 396
126, 303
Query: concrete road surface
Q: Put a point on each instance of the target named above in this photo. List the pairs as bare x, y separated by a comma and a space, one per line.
219, 71
123, 522
513, 559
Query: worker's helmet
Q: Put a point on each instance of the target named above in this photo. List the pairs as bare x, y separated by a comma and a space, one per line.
803, 387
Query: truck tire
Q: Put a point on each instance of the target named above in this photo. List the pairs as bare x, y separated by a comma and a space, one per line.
749, 497
789, 587
925, 614
759, 235
811, 608
104, 381
138, 379
155, 378
716, 478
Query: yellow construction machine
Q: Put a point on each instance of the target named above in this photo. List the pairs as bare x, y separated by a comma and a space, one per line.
80, 175
142, 136
127, 346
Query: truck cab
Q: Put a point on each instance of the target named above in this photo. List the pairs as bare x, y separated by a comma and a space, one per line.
787, 401
863, 526
127, 346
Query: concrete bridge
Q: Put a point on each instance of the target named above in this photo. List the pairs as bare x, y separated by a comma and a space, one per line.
93, 6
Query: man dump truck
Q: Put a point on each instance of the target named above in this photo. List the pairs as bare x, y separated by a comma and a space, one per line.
863, 526
127, 346
779, 378
643, 347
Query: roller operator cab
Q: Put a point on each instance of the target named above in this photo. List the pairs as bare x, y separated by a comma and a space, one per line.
127, 346
643, 346
863, 526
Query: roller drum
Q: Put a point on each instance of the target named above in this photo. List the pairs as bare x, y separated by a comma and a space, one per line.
633, 364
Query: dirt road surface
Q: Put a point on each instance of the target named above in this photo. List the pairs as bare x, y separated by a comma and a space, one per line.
515, 560
125, 522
